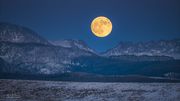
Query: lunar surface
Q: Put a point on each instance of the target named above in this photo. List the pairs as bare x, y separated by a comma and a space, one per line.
101, 26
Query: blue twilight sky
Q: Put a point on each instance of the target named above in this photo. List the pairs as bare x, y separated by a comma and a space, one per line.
133, 20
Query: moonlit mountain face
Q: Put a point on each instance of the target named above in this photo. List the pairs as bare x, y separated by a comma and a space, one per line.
26, 52
169, 48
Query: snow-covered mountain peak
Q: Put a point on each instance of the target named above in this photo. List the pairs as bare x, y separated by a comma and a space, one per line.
151, 48
70, 43
18, 34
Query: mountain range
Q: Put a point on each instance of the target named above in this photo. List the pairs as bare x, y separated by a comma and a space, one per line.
23, 51
169, 48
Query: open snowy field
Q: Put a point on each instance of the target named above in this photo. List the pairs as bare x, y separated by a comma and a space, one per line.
27, 90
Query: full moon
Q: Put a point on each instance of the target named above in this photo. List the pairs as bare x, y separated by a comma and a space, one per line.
101, 26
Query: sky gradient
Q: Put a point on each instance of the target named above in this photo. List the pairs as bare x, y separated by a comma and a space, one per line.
133, 20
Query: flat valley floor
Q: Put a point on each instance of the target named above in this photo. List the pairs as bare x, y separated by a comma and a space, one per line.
31, 90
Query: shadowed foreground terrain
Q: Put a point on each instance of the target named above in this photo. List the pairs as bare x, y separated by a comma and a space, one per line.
27, 90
